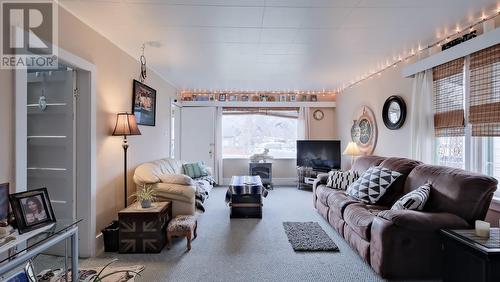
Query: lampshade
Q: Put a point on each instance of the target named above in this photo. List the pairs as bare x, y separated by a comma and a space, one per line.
126, 125
352, 149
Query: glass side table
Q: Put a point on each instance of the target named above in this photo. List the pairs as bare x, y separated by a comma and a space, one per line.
30, 244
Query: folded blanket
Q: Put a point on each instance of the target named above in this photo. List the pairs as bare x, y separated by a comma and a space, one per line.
203, 187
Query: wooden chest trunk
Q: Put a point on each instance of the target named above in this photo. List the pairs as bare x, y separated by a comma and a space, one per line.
144, 230
245, 197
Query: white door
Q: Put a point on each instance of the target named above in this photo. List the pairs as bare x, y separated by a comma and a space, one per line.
175, 132
50, 144
198, 135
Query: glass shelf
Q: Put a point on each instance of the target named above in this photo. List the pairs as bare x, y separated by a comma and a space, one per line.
27, 241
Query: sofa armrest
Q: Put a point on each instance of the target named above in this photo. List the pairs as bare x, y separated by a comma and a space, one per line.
407, 243
322, 178
182, 191
423, 221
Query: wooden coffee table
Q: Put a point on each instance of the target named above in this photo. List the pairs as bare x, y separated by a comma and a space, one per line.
467, 257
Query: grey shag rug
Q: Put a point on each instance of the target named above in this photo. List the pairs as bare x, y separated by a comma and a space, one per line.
308, 237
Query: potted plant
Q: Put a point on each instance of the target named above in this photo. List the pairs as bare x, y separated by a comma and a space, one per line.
145, 195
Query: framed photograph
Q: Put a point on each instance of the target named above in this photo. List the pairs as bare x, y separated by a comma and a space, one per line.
222, 97
282, 98
233, 98
244, 98
144, 104
293, 98
314, 98
211, 97
303, 98
32, 209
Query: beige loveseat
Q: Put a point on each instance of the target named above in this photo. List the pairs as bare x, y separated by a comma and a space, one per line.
169, 182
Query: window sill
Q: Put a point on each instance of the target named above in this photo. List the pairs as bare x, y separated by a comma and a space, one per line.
248, 159
495, 203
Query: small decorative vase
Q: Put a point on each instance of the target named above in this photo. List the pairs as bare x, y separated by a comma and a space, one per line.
146, 204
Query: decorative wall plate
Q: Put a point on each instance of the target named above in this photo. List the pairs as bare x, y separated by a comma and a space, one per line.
364, 130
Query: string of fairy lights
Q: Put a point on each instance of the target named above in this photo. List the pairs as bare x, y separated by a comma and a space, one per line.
390, 63
414, 53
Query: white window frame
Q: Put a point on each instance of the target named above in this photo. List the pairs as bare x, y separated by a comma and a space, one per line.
473, 149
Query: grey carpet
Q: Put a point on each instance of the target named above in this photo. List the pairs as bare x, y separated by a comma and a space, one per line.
248, 249
308, 237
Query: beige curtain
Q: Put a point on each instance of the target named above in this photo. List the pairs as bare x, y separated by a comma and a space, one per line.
303, 126
422, 123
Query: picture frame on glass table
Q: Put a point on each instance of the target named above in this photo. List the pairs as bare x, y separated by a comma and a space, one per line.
32, 209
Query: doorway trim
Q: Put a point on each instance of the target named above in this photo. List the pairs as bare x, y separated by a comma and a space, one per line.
86, 138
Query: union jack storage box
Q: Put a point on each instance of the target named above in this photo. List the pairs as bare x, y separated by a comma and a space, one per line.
144, 230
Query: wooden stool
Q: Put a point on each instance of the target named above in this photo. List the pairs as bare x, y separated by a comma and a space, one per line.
182, 226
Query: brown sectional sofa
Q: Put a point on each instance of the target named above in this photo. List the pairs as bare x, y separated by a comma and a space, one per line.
405, 244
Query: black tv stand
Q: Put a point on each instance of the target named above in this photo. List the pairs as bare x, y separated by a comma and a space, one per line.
306, 175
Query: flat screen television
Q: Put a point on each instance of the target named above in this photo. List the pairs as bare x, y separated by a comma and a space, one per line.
321, 155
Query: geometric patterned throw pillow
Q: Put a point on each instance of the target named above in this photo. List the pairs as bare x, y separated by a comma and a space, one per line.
415, 200
341, 179
373, 184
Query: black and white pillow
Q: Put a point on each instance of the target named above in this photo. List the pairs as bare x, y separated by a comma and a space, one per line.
373, 184
415, 200
341, 179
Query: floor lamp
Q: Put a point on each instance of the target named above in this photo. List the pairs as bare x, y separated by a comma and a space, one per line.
125, 125
352, 150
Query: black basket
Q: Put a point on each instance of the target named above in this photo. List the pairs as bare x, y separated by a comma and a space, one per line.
110, 236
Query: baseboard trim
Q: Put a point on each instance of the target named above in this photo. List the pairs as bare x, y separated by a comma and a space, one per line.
99, 245
292, 181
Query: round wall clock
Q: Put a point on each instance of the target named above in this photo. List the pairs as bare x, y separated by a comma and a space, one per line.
364, 131
318, 115
394, 112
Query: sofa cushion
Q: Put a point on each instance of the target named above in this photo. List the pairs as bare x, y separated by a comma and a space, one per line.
403, 166
338, 201
341, 179
373, 184
359, 218
323, 192
415, 200
363, 163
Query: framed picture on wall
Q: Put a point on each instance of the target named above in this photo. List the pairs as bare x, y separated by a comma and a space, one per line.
144, 104
222, 97
32, 209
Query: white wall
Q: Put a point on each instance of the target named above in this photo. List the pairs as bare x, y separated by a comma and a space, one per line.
115, 72
373, 93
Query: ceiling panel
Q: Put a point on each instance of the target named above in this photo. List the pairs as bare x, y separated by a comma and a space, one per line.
273, 44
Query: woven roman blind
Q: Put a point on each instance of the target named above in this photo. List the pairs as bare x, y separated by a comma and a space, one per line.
484, 102
448, 87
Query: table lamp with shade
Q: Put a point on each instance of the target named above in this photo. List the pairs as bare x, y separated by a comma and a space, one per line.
126, 125
352, 150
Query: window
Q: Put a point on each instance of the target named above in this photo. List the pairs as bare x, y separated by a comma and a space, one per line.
249, 131
467, 112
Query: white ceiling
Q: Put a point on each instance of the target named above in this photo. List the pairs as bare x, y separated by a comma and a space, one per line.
273, 44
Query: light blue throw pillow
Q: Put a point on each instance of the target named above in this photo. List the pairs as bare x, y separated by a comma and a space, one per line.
195, 170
